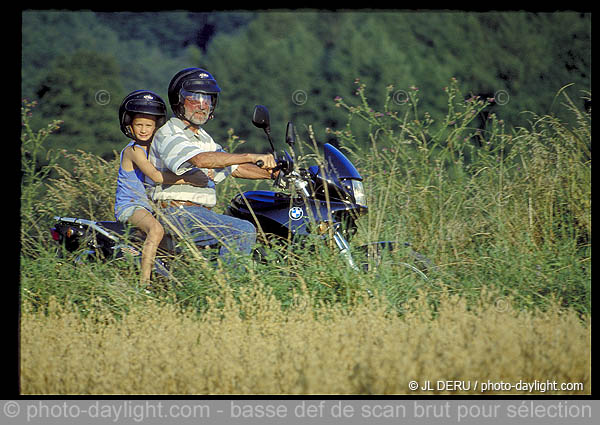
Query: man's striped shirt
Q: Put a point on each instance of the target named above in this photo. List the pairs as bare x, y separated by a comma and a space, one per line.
173, 145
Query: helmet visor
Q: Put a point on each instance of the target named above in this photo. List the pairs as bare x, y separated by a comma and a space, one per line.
145, 106
197, 99
197, 107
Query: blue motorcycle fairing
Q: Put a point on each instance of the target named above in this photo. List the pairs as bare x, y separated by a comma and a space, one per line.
280, 212
336, 167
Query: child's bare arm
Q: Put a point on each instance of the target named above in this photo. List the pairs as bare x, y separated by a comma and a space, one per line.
138, 157
197, 178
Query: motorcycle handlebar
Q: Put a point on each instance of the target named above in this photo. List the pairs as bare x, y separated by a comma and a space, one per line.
282, 165
279, 166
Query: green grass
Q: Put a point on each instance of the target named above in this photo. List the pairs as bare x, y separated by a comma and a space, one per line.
499, 209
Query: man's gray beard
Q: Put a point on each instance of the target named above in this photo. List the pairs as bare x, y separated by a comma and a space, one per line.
196, 122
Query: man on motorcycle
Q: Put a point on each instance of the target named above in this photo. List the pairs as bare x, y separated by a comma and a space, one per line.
181, 145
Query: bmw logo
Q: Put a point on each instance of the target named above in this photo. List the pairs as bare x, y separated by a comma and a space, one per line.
296, 213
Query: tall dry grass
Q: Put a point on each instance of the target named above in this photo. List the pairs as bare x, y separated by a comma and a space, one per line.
499, 212
254, 347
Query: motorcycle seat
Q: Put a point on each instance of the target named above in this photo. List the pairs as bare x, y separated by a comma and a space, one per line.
122, 229
114, 226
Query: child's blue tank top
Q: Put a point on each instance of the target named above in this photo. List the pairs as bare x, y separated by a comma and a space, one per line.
131, 190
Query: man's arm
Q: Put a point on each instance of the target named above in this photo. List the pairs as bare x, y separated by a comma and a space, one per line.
251, 171
224, 159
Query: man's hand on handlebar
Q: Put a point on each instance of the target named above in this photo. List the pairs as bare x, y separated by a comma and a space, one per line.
264, 161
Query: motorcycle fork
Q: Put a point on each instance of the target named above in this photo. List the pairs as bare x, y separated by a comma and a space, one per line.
344, 248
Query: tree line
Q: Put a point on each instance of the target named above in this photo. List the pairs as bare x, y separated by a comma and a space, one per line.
78, 66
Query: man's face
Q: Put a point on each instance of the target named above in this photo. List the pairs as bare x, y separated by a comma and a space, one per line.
197, 107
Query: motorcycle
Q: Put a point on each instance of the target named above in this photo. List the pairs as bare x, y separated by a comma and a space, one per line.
324, 200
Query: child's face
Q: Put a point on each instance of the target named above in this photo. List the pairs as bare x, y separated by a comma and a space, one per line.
143, 127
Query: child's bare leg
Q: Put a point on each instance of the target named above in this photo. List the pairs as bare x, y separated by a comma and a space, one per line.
142, 219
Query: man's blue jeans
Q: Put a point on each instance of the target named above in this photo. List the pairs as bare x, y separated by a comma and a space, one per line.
206, 227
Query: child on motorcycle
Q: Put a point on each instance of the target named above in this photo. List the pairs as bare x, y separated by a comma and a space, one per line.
141, 113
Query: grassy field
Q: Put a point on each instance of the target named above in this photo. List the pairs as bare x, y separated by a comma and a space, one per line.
504, 214
157, 348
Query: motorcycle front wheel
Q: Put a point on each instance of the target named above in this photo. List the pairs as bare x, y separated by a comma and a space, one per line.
375, 255
395, 270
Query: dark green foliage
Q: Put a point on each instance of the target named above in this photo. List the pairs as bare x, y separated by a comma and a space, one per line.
83, 90
297, 62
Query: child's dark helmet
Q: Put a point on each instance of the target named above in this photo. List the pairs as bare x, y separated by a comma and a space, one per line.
141, 102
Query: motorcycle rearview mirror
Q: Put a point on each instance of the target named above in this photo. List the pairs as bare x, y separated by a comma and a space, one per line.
260, 118
290, 139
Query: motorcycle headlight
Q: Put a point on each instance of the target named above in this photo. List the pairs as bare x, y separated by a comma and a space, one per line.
359, 193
